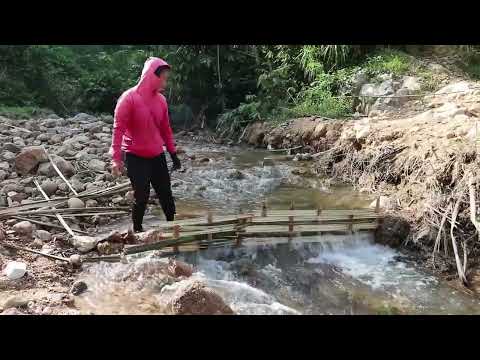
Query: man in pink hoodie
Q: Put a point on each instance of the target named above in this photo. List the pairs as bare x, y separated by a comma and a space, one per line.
140, 131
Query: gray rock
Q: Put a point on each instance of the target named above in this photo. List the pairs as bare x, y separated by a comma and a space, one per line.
75, 203
4, 165
8, 156
12, 187
78, 185
65, 151
3, 174
55, 139
43, 137
76, 140
96, 165
43, 235
11, 147
82, 117
17, 197
91, 203
63, 165
63, 187
50, 187
23, 228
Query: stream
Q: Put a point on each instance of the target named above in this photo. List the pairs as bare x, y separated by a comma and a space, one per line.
341, 275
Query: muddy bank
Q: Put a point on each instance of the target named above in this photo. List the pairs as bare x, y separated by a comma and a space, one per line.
420, 159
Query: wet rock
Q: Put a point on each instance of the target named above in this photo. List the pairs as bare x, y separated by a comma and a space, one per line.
23, 228
205, 160
255, 133
50, 187
96, 165
63, 165
78, 288
392, 231
178, 268
43, 235
15, 270
74, 203
235, 174
29, 158
194, 298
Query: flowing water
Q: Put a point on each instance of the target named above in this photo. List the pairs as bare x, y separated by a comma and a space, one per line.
339, 275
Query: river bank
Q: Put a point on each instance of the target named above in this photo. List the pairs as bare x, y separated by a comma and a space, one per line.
420, 158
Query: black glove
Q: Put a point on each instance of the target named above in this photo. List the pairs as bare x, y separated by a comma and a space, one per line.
176, 162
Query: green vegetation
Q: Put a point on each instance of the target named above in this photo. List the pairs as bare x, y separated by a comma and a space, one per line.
23, 112
229, 85
388, 61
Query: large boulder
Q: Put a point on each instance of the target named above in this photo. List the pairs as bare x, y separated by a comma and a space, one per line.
194, 298
29, 158
63, 165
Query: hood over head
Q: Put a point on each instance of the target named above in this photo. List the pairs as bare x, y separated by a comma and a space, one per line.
149, 82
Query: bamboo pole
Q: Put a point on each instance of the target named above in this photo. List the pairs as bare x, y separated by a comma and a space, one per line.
59, 217
176, 236
59, 172
55, 226
377, 205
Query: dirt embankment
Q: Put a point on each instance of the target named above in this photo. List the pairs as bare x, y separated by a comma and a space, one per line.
420, 157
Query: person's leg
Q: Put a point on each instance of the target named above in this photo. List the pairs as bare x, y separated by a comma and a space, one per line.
161, 183
138, 170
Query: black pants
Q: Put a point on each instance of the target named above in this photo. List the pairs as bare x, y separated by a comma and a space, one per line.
143, 172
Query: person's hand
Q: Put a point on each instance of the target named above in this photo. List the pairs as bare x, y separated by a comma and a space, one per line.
117, 170
176, 162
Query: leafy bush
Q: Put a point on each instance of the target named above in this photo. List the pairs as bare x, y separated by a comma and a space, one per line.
232, 121
388, 61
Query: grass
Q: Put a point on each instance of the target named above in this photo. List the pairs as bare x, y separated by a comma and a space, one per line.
23, 112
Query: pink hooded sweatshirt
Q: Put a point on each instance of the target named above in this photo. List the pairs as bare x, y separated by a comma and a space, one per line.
142, 124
